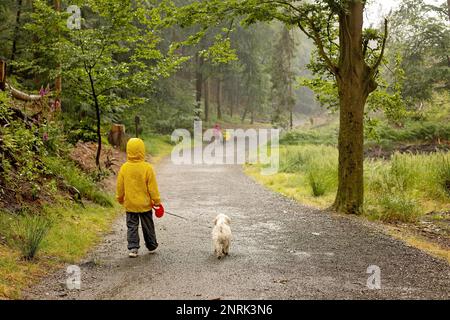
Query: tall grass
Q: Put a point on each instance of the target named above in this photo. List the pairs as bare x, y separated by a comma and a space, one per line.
399, 189
443, 175
317, 185
317, 163
398, 207
30, 231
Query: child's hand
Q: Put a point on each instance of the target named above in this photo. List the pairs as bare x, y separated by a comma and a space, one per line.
159, 210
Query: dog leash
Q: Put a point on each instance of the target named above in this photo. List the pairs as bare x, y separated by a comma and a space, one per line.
184, 218
175, 215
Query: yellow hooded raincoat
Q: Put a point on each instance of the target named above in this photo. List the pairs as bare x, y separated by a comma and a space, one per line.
136, 182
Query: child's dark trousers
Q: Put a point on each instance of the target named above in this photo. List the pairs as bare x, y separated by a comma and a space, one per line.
148, 229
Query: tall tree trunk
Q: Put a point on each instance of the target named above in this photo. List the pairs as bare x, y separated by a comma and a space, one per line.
291, 107
235, 103
97, 113
350, 193
448, 9
206, 100
354, 85
291, 118
2, 74
219, 98
244, 114
16, 34
198, 82
58, 80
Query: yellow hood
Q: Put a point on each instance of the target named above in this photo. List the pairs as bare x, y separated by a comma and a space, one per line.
135, 150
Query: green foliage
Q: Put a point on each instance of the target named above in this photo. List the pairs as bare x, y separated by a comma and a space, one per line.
46, 51
158, 145
220, 51
401, 189
420, 32
81, 130
20, 150
68, 172
318, 136
388, 98
282, 78
326, 91
412, 131
54, 138
397, 189
109, 64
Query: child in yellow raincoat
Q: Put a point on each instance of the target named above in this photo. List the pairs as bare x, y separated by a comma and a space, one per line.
137, 191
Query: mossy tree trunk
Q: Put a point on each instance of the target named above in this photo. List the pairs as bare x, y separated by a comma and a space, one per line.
355, 80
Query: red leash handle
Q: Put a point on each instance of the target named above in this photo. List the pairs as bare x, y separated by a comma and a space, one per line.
159, 210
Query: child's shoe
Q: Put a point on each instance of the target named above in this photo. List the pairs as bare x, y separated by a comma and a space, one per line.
133, 253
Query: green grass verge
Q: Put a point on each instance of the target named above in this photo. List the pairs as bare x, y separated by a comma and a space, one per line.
401, 189
74, 230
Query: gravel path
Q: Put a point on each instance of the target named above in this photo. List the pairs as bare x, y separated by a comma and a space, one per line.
281, 250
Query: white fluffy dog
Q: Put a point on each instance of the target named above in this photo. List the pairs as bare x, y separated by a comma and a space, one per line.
221, 235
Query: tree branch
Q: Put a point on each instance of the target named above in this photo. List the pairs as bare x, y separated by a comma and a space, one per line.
383, 47
320, 47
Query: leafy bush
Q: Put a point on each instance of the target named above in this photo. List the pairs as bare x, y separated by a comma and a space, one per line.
81, 131
54, 138
20, 149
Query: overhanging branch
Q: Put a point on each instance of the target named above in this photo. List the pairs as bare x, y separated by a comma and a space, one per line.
315, 36
375, 67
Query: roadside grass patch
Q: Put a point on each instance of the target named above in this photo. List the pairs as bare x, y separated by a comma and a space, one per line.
398, 208
76, 229
400, 189
73, 232
317, 163
29, 232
